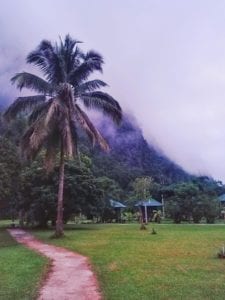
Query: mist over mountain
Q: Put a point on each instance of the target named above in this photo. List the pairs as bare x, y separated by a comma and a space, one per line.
131, 156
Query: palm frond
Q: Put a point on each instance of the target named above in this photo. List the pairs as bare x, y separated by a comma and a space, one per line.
94, 58
103, 102
92, 132
91, 85
70, 52
40, 56
52, 145
92, 61
38, 132
37, 111
33, 139
47, 58
52, 114
58, 116
22, 104
33, 82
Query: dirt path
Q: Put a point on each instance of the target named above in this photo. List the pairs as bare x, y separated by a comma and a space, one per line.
70, 277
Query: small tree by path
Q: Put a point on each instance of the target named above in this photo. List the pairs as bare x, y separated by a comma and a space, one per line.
56, 114
142, 188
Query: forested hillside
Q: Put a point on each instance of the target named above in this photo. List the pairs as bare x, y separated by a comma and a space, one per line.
96, 177
131, 156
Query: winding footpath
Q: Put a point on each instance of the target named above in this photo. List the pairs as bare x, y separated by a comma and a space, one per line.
70, 276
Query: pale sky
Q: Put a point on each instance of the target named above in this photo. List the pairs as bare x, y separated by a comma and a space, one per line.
164, 62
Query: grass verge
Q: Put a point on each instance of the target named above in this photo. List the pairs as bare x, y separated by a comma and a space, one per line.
21, 270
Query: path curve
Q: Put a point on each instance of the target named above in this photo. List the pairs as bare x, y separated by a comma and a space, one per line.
70, 277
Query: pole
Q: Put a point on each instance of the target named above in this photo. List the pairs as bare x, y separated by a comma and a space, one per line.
146, 215
145, 199
163, 207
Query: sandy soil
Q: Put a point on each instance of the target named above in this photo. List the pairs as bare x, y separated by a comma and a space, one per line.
69, 278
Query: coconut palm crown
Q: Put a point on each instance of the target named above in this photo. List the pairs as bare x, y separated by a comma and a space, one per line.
54, 113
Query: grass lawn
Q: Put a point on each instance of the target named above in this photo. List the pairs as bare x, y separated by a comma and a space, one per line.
21, 270
179, 262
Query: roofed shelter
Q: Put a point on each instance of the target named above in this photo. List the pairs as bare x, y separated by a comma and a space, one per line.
147, 207
118, 206
221, 198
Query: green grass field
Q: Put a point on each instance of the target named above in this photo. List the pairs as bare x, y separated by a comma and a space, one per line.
179, 262
21, 270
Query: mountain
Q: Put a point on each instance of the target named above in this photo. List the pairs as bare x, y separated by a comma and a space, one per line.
132, 156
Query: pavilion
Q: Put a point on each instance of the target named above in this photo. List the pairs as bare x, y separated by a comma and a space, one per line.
117, 206
221, 198
147, 208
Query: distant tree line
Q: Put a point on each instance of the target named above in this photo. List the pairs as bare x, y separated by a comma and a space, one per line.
192, 201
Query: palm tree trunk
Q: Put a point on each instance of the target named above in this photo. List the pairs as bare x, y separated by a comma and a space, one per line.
59, 221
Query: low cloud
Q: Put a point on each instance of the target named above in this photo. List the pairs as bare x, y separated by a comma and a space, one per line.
165, 62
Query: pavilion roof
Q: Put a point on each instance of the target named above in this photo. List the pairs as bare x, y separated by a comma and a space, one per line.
222, 198
150, 202
116, 204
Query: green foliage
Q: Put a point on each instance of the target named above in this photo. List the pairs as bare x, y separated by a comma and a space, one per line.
13, 130
110, 187
9, 173
38, 190
82, 192
192, 200
110, 190
143, 187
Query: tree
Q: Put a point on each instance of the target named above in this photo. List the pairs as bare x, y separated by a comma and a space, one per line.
38, 189
81, 192
56, 115
111, 190
192, 201
9, 177
142, 187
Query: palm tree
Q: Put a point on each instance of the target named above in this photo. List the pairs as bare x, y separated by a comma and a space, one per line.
55, 114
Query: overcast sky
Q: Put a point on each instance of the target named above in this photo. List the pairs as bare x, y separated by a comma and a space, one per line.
164, 61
